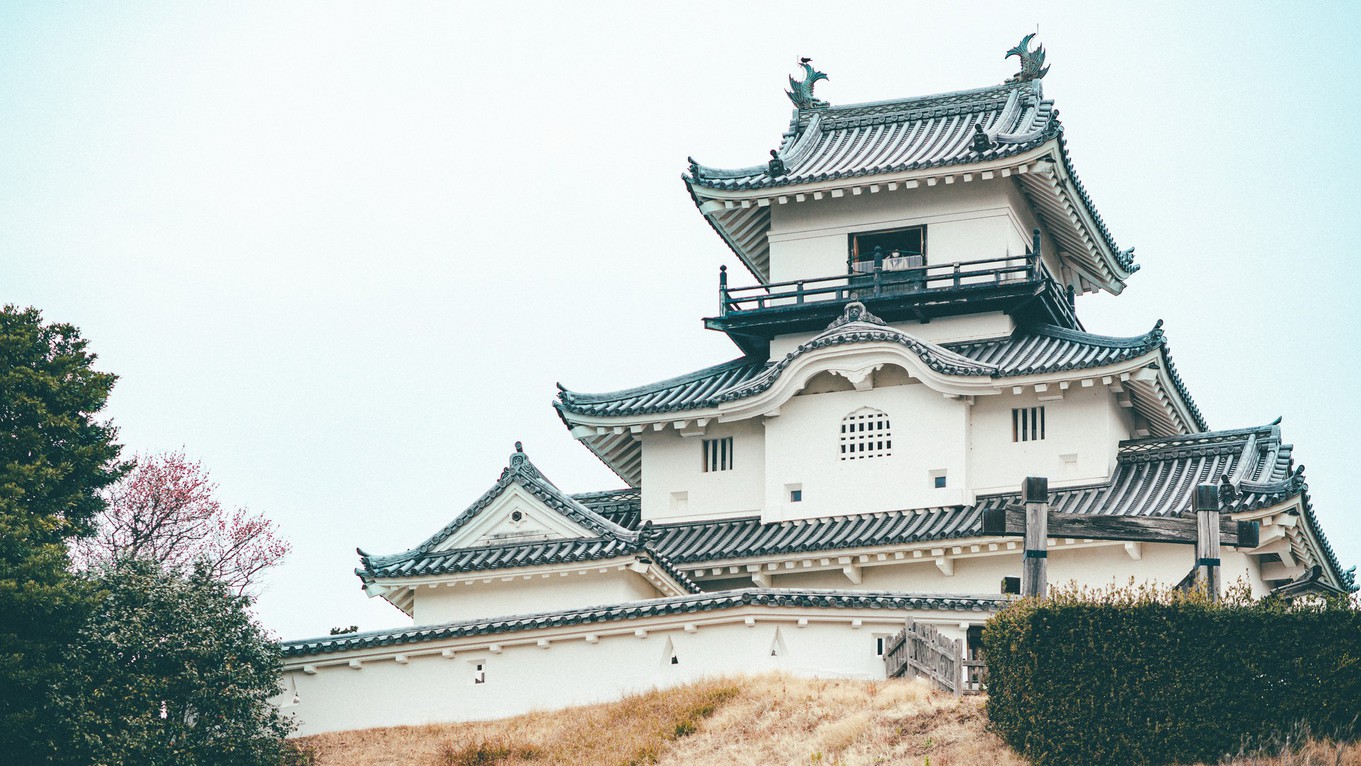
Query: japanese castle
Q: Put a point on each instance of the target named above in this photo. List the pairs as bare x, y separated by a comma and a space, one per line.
910, 351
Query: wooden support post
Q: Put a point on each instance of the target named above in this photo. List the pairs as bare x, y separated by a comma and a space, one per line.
1035, 493
723, 290
1206, 506
1034, 259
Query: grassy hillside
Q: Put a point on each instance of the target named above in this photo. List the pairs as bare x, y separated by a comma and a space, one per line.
761, 721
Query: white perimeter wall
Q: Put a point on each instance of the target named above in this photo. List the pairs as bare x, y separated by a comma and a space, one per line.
508, 594
523, 677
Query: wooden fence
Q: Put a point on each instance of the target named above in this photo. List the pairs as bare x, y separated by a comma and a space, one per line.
920, 650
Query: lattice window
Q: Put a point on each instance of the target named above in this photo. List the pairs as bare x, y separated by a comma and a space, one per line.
718, 454
865, 433
1027, 424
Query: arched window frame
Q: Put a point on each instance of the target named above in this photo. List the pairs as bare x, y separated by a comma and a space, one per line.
866, 433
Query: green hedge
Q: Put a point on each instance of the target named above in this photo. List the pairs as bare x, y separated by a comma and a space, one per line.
1141, 676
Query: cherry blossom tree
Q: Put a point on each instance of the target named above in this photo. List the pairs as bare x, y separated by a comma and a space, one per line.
165, 510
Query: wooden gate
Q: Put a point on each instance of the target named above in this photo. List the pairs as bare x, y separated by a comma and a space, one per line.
919, 650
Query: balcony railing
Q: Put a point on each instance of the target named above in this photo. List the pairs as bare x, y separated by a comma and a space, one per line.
886, 276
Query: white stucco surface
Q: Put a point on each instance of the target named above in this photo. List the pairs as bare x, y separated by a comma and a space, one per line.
524, 593
1082, 431
522, 676
677, 488
802, 448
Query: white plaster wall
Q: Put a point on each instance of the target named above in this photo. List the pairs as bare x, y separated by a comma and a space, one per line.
984, 326
500, 597
1082, 431
674, 464
523, 677
803, 447
965, 222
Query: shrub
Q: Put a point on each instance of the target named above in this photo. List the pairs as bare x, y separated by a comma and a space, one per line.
1149, 676
171, 671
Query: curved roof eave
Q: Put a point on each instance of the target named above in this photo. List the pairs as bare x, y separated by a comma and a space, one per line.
904, 141
611, 433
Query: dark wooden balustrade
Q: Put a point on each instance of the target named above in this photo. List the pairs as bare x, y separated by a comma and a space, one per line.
882, 277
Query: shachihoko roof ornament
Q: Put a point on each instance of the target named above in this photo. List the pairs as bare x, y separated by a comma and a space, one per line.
1032, 62
801, 92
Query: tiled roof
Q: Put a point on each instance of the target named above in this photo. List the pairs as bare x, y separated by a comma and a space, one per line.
1045, 348
613, 540
505, 556
1153, 477
618, 505
864, 140
890, 136
706, 602
748, 537
1029, 351
689, 391
519, 472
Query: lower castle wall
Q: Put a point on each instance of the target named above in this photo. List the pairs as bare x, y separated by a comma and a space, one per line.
523, 677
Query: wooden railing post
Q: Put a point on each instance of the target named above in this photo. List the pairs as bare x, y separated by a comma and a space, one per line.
723, 290
1206, 506
1034, 261
1035, 493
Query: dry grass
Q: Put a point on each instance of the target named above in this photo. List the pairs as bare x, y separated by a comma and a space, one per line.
762, 720
634, 730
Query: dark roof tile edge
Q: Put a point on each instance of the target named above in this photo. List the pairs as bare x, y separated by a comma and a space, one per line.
700, 602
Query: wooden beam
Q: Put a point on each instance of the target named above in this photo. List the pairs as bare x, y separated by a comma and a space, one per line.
1035, 558
1206, 505
1010, 521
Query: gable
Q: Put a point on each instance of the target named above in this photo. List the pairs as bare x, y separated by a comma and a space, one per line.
514, 516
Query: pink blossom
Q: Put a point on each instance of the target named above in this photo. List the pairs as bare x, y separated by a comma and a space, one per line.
165, 510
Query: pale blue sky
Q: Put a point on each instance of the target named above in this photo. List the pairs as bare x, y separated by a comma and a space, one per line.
341, 252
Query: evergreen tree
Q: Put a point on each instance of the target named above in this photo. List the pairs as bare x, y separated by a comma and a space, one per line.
55, 457
169, 670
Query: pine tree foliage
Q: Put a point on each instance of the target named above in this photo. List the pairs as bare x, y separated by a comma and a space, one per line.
55, 458
170, 670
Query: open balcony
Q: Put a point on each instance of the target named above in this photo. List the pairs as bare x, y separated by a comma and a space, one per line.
896, 287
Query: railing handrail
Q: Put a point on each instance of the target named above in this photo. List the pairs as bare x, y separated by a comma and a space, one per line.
926, 278
947, 267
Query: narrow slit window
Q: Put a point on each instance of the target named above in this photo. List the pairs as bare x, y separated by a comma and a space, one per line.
718, 454
1027, 424
866, 433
